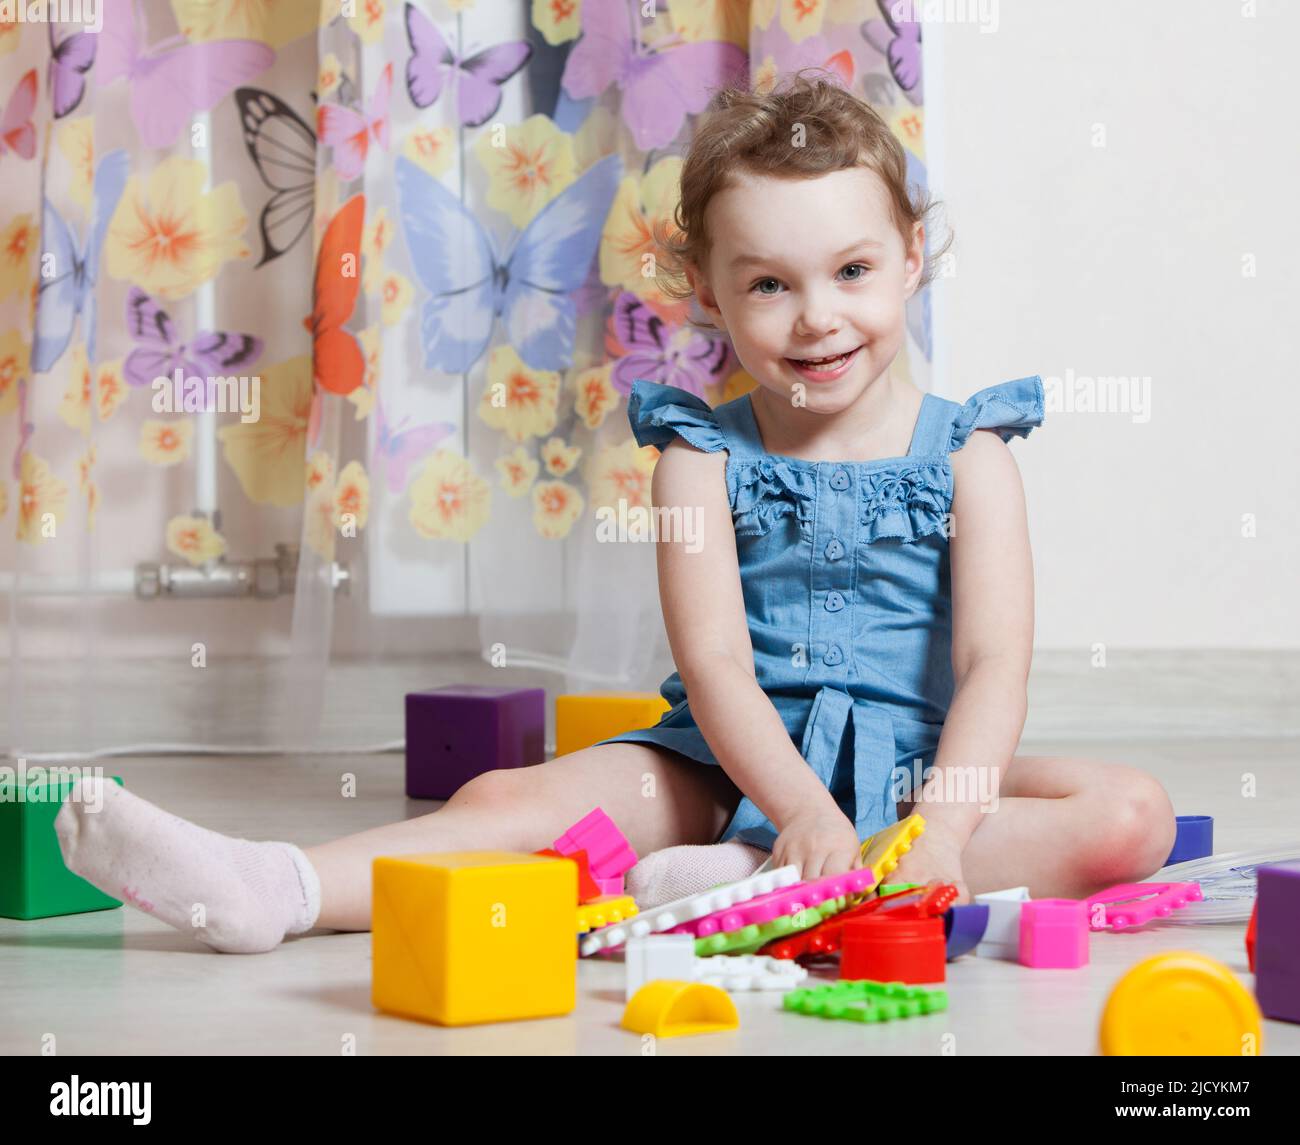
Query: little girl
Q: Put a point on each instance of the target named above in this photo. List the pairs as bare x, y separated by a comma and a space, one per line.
860, 609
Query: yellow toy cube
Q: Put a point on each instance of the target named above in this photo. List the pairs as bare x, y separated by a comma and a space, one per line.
474, 936
587, 718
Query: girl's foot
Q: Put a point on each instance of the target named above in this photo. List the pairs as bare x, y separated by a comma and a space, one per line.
237, 896
676, 872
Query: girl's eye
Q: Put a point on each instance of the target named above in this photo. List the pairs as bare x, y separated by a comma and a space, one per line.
762, 282
857, 266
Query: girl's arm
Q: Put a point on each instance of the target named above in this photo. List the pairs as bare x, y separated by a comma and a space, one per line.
704, 612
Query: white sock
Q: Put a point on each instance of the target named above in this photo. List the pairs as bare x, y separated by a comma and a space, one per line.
676, 872
253, 894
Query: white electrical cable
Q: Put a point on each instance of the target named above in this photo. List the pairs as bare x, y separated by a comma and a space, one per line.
198, 749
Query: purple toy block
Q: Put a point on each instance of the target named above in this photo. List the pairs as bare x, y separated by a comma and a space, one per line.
462, 730
1277, 941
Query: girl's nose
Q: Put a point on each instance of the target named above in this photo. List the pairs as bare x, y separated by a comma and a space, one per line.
816, 318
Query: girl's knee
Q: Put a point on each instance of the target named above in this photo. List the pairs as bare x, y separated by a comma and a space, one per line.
1136, 832
500, 790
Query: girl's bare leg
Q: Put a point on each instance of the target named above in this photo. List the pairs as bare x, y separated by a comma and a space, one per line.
655, 797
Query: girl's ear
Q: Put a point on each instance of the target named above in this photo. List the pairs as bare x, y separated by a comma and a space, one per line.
704, 295
914, 260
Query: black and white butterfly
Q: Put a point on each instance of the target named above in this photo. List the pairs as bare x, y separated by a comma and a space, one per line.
282, 147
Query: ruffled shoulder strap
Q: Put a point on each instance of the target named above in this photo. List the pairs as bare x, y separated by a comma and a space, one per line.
658, 412
1011, 408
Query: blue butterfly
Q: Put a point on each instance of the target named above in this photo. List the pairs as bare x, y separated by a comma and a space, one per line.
71, 288
533, 290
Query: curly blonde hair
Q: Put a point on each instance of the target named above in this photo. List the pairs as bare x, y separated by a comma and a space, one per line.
807, 126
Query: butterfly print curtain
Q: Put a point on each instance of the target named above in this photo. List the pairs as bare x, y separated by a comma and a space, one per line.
350, 295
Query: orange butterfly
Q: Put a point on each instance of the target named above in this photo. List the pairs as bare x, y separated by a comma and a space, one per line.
338, 365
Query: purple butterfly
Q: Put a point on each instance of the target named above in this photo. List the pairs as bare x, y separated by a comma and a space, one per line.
899, 40
158, 353
478, 77
70, 60
173, 79
399, 448
659, 87
662, 352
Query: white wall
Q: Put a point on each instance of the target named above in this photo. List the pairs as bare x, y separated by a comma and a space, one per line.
1127, 259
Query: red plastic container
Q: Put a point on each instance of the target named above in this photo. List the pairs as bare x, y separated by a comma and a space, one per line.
894, 950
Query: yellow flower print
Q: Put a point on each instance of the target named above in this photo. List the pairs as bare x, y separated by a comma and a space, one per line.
74, 408
431, 149
88, 487
14, 354
194, 539
110, 388
368, 20
42, 500
449, 501
559, 458
273, 22
396, 293
9, 33
318, 521
908, 124
766, 75
532, 165
710, 20
802, 18
596, 396
320, 471
555, 507
84, 465
352, 496
559, 21
363, 397
76, 139
628, 252
519, 400
165, 443
92, 503
376, 236
761, 12
328, 75
17, 242
518, 471
621, 473
168, 236
268, 455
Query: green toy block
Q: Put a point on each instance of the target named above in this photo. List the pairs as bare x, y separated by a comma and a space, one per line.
894, 888
34, 882
748, 939
861, 1000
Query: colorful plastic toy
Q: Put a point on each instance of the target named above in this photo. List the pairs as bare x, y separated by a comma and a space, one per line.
474, 936
672, 1009
895, 888
881, 852
654, 956
738, 973
1251, 931
1131, 905
749, 939
824, 939
1054, 934
34, 880
909, 950
1194, 840
1002, 934
865, 1001
605, 911
587, 888
671, 914
1181, 1003
1277, 941
964, 925
786, 900
586, 718
458, 732
609, 854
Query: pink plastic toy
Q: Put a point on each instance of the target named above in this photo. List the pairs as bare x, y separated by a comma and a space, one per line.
1054, 933
1158, 900
608, 854
778, 903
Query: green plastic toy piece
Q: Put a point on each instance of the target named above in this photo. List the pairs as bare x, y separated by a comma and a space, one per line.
861, 1000
34, 882
894, 888
748, 939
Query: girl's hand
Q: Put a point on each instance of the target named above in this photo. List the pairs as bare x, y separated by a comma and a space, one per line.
819, 841
932, 857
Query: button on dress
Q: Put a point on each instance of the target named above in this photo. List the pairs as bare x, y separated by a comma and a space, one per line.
845, 572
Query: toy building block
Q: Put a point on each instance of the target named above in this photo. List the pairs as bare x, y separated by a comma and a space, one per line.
34, 880
964, 926
473, 936
1181, 1003
881, 852
588, 890
458, 732
784, 901
609, 854
605, 911
1131, 905
1054, 934
749, 939
1251, 931
656, 956
1002, 934
895, 888
824, 939
865, 1001
1194, 838
1277, 940
889, 950
737, 973
669, 1008
670, 914
586, 718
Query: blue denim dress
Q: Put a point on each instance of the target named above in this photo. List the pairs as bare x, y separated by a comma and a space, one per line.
845, 572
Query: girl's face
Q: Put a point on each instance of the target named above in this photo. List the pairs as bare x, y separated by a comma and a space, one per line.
809, 268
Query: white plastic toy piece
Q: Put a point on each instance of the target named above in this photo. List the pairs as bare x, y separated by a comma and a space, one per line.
1227, 882
653, 956
673, 956
738, 972
670, 914
1002, 935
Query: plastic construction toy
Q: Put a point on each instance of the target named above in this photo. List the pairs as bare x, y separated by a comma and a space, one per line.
889, 950
474, 936
34, 880
1277, 941
1131, 905
1002, 934
1054, 934
1181, 1003
749, 939
586, 718
881, 852
964, 925
609, 855
824, 939
655, 956
737, 973
1251, 933
670, 914
774, 904
865, 1001
1194, 840
670, 1008
605, 911
673, 956
587, 888
456, 733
